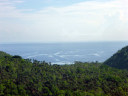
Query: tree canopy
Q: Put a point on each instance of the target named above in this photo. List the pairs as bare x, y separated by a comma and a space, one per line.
119, 59
24, 77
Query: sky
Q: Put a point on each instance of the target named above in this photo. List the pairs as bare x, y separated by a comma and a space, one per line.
23, 21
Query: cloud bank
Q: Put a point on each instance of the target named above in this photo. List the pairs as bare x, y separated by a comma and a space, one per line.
83, 21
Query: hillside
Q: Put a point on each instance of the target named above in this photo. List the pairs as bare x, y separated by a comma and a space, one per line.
119, 59
3, 54
21, 77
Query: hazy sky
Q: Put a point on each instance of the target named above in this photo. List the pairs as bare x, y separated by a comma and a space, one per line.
63, 20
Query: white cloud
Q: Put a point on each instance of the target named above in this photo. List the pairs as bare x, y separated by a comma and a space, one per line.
8, 9
85, 21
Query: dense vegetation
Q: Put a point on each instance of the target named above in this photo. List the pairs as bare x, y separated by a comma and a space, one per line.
21, 77
3, 54
119, 59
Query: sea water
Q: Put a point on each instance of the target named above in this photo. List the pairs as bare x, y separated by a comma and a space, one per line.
64, 53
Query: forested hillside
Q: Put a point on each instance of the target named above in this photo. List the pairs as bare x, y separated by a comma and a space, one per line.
21, 77
119, 59
3, 54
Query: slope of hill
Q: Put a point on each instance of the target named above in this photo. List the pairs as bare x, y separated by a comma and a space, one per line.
119, 59
3, 54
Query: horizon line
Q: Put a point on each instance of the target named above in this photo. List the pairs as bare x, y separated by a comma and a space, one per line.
62, 42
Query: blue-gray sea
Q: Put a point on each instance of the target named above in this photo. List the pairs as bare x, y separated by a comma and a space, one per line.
64, 53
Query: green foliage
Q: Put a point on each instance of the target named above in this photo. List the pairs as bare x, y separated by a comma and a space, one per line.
2, 88
3, 54
16, 56
119, 59
21, 77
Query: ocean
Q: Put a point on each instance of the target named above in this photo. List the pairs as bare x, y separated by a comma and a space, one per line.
64, 53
